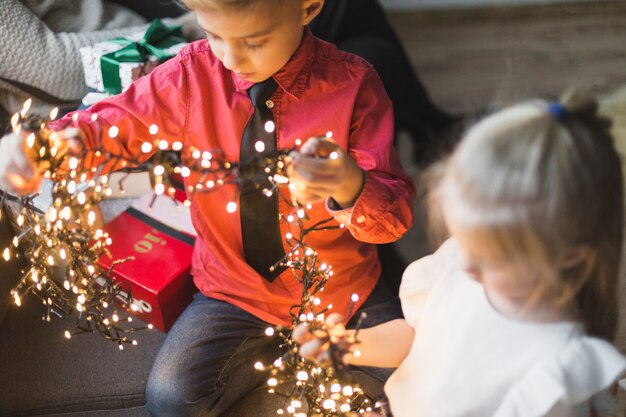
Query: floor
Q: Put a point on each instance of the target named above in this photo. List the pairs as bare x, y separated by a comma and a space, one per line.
471, 58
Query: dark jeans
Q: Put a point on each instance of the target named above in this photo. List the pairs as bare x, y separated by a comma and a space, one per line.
206, 363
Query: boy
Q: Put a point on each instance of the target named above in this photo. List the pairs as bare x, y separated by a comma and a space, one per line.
201, 97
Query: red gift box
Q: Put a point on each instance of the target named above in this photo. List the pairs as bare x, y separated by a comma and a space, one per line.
159, 276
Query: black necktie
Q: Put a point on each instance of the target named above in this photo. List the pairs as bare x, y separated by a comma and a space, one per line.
260, 225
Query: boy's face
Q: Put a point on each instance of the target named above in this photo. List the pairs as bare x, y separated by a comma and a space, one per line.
257, 41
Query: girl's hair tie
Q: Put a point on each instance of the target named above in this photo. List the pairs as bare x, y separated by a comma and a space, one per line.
557, 110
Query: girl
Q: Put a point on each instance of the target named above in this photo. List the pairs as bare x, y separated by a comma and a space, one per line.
514, 315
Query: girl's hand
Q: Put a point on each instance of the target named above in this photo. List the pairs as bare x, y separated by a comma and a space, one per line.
321, 169
19, 172
316, 345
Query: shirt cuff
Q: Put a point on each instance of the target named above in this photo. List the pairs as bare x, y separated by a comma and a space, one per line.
354, 215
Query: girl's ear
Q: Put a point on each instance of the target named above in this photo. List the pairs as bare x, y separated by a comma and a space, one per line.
573, 256
311, 9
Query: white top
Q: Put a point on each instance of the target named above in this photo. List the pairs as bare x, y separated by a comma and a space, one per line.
469, 360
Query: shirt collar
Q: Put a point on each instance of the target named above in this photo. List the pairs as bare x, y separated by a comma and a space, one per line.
293, 76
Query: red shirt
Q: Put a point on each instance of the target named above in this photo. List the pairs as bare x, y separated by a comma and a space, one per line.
194, 99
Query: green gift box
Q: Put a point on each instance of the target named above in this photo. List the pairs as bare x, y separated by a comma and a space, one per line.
111, 66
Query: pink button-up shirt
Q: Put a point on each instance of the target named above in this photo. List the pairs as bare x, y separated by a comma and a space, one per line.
194, 99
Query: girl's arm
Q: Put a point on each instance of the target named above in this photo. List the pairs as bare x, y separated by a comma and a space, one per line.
384, 346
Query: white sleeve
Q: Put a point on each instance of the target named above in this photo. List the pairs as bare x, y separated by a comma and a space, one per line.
420, 277
555, 388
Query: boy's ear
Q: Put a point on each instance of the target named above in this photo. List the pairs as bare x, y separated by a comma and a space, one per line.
573, 256
311, 8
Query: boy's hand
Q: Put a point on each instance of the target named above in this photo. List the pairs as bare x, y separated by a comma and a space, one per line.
322, 169
316, 345
19, 173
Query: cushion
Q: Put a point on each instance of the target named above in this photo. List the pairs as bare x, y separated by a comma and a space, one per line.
43, 373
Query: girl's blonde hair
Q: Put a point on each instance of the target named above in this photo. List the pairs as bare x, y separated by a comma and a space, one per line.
536, 180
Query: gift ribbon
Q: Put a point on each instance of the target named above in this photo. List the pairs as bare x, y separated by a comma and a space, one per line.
156, 40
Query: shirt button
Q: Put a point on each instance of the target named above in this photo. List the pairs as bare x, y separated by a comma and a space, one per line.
360, 219
269, 104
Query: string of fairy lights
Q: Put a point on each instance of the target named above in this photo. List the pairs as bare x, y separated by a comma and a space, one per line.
68, 238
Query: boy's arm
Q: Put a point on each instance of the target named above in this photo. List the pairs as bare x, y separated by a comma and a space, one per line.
382, 211
157, 99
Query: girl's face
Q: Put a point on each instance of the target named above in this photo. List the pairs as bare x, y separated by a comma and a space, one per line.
499, 274
257, 42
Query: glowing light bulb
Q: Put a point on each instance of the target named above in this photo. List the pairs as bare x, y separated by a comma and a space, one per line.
272, 382
159, 170
6, 254
54, 113
114, 131
73, 164
231, 207
16, 298
146, 147
269, 331
30, 140
153, 129
259, 146
91, 218
26, 106
159, 189
328, 404
302, 376
269, 126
